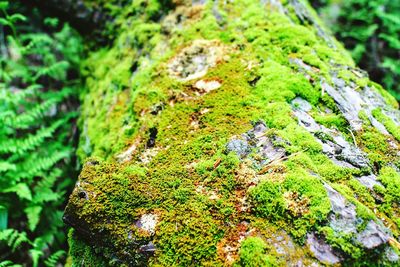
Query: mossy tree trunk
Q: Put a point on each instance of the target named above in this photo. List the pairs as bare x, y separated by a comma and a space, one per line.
232, 133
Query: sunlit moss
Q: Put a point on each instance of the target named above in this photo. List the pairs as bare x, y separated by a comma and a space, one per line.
192, 181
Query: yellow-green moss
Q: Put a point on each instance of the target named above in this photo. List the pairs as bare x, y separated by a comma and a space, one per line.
389, 124
191, 182
253, 253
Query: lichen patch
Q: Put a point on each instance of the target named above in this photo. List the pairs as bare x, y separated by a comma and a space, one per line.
148, 223
127, 154
205, 87
194, 61
149, 154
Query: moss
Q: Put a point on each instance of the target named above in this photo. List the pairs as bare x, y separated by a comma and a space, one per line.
390, 100
363, 212
190, 181
253, 253
188, 235
362, 193
342, 242
82, 254
391, 180
268, 200
273, 87
389, 124
332, 120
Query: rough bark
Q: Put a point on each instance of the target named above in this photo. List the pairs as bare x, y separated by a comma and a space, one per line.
225, 133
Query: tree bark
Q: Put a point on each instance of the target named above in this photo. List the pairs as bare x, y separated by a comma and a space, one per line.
222, 133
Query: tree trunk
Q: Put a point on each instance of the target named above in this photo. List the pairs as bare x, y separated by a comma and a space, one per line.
232, 132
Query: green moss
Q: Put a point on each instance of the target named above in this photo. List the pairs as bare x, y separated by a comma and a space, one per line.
280, 83
312, 188
253, 253
83, 254
391, 180
188, 235
190, 181
342, 242
390, 100
268, 200
389, 124
332, 120
362, 211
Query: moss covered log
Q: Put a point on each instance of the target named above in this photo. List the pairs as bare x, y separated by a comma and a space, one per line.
232, 133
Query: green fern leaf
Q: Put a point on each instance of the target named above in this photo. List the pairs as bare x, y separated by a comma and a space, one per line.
13, 238
6, 166
35, 255
33, 214
53, 260
21, 189
9, 264
21, 146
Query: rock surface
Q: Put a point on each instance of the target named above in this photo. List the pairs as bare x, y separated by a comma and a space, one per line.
233, 133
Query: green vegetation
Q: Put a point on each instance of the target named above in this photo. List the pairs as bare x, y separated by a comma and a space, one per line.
36, 139
253, 253
186, 176
370, 30
162, 101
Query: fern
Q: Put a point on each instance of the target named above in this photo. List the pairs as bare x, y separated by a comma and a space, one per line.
54, 258
21, 189
35, 137
9, 264
13, 238
30, 142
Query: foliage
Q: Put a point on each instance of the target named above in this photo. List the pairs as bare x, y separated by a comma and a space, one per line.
207, 199
36, 152
370, 30
252, 253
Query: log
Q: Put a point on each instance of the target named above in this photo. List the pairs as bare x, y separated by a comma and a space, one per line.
233, 133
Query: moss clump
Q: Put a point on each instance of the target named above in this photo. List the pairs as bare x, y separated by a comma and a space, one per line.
81, 253
188, 234
183, 173
391, 180
342, 242
389, 124
275, 201
268, 198
253, 253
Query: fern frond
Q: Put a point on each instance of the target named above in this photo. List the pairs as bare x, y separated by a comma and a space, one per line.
26, 119
15, 96
13, 238
9, 264
33, 165
6, 166
33, 214
35, 40
32, 141
15, 17
35, 255
21, 189
56, 71
54, 258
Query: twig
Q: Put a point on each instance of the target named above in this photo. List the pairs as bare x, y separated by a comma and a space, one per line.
354, 138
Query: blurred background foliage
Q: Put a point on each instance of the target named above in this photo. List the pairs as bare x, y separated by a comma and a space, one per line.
39, 86
370, 30
39, 82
